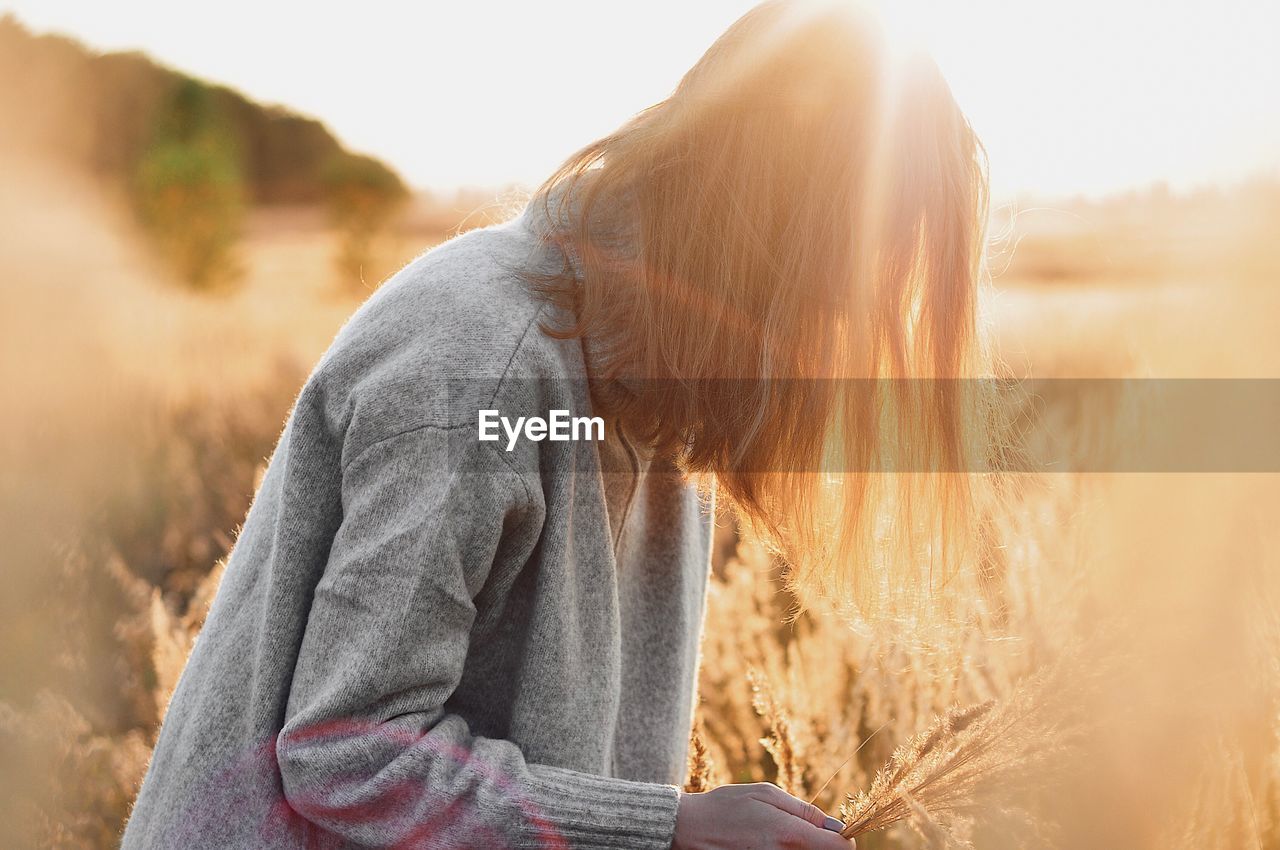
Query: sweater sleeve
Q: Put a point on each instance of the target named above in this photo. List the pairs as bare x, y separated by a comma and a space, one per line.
368, 751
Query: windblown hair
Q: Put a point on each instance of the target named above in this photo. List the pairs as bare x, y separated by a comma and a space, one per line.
799, 300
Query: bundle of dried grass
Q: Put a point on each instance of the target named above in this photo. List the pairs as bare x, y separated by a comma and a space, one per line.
973, 763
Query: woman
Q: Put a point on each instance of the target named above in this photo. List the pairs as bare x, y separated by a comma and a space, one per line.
428, 639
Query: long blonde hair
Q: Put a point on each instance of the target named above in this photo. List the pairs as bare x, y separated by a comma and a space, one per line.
800, 296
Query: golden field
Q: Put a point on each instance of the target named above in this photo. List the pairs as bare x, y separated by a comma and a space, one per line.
140, 414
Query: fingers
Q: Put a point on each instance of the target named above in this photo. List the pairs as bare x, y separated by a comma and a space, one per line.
820, 831
823, 839
797, 834
807, 812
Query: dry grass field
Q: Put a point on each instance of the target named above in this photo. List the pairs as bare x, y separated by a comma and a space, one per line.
1133, 654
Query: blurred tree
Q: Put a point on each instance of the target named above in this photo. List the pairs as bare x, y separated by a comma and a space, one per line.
190, 187
363, 195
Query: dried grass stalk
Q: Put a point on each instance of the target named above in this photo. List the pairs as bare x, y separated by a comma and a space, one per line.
781, 743
703, 775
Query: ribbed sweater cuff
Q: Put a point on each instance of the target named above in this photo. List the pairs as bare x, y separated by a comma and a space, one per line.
585, 812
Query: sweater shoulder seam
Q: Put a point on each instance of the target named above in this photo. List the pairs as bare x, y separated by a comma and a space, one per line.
423, 426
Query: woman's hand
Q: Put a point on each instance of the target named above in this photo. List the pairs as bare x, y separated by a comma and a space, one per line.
760, 816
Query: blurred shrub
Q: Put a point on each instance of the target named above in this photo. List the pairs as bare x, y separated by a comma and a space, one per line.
190, 187
363, 195
98, 112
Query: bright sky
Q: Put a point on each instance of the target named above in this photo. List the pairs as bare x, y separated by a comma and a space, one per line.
1080, 96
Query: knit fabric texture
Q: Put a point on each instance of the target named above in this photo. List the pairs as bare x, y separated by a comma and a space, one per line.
426, 640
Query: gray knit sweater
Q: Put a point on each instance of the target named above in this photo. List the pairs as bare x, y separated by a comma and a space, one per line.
422, 639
